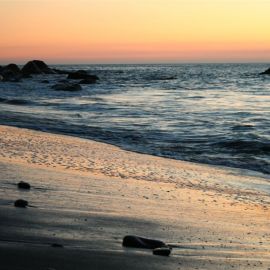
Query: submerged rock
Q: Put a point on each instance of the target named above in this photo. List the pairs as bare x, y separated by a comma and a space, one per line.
36, 67
21, 203
67, 87
88, 81
23, 185
140, 242
164, 251
267, 72
82, 75
45, 81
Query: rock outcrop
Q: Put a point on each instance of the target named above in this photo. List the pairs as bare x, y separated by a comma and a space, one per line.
67, 87
267, 72
36, 67
82, 75
11, 73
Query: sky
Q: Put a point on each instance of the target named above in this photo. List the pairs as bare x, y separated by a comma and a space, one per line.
134, 31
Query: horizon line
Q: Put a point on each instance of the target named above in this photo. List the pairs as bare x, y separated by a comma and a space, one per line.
137, 63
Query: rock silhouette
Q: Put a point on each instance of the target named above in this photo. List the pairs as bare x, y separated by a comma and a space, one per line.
23, 185
140, 242
267, 72
36, 67
21, 203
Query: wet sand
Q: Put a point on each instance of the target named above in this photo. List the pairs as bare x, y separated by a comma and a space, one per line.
87, 196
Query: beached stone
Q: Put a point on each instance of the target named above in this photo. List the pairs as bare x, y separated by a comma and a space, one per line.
23, 185
164, 251
21, 203
82, 75
56, 245
140, 242
67, 87
267, 72
36, 67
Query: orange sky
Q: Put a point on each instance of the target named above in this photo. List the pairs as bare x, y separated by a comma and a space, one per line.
120, 31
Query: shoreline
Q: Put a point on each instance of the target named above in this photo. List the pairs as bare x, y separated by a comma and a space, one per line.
88, 195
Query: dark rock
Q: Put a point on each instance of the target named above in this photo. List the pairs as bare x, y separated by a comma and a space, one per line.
12, 67
67, 87
267, 72
21, 203
64, 81
140, 242
61, 71
164, 251
11, 73
23, 185
88, 81
56, 245
167, 78
36, 67
82, 75
1, 78
45, 81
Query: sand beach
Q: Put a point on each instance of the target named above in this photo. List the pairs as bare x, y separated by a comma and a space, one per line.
86, 196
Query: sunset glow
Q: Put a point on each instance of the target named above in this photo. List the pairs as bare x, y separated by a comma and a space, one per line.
127, 31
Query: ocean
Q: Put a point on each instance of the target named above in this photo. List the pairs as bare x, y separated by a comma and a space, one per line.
208, 113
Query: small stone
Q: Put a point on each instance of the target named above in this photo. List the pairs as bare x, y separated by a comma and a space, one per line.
140, 242
164, 251
21, 203
56, 245
24, 185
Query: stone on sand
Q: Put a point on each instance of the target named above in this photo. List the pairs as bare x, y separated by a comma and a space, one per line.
21, 203
163, 251
24, 185
140, 242
56, 245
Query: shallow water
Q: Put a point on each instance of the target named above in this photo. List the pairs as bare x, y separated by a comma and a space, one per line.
211, 113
